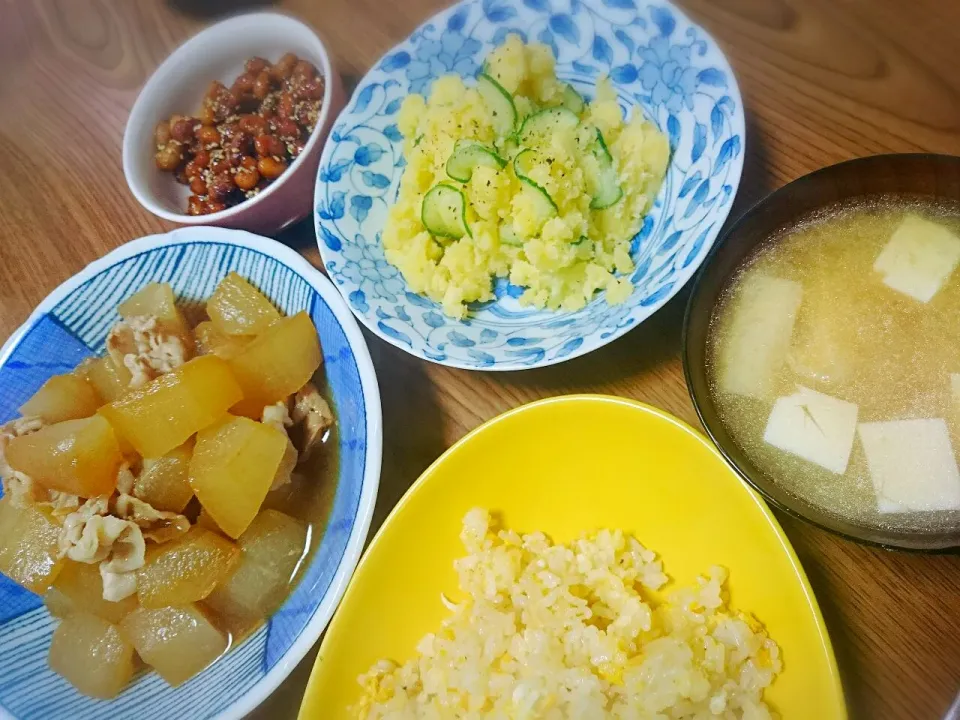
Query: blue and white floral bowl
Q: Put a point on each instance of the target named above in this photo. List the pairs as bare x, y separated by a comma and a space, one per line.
656, 58
72, 324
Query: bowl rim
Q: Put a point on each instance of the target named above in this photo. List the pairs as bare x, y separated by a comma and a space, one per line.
637, 405
684, 278
152, 85
928, 543
371, 397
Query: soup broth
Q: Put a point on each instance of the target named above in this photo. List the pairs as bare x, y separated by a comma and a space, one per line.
834, 362
309, 496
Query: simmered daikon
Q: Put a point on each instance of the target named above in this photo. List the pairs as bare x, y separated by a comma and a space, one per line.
29, 550
79, 589
151, 518
272, 547
163, 480
177, 642
92, 654
185, 570
164, 413
62, 397
234, 464
238, 308
277, 363
156, 300
80, 457
110, 380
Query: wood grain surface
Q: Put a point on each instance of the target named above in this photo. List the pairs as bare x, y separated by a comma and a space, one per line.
823, 81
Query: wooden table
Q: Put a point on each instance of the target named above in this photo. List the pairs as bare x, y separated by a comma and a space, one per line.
823, 81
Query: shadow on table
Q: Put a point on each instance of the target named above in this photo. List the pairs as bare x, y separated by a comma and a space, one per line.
653, 343
824, 581
213, 8
284, 702
301, 236
413, 426
759, 178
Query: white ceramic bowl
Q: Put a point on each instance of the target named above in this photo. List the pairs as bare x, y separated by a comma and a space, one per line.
178, 87
71, 324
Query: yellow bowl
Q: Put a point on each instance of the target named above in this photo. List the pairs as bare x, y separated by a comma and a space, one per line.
564, 466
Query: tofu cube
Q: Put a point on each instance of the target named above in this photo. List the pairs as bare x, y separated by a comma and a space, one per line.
758, 340
824, 347
815, 427
912, 465
918, 258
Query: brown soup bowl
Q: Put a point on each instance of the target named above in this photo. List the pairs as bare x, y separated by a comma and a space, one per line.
912, 176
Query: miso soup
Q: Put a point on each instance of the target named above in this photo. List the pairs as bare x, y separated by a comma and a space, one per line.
834, 362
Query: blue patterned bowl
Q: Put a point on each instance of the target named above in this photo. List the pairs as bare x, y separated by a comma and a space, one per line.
72, 324
656, 58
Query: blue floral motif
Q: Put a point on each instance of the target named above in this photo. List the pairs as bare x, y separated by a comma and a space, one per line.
433, 58
392, 132
367, 154
498, 11
395, 61
667, 74
333, 211
366, 268
657, 60
360, 207
375, 180
358, 299
434, 319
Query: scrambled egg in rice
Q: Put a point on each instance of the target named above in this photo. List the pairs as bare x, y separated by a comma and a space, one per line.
571, 631
558, 220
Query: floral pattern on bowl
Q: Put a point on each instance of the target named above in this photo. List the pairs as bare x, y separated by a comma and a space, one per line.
656, 58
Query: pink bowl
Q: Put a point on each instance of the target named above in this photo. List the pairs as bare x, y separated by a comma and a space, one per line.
178, 86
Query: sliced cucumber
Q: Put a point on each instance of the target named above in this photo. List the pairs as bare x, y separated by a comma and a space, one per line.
572, 100
508, 236
601, 146
509, 145
522, 162
499, 102
608, 191
470, 154
606, 184
444, 212
541, 125
546, 208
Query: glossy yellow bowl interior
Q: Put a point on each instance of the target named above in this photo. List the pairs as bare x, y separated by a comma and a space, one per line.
563, 466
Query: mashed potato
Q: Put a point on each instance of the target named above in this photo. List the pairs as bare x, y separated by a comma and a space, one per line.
561, 257
571, 631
